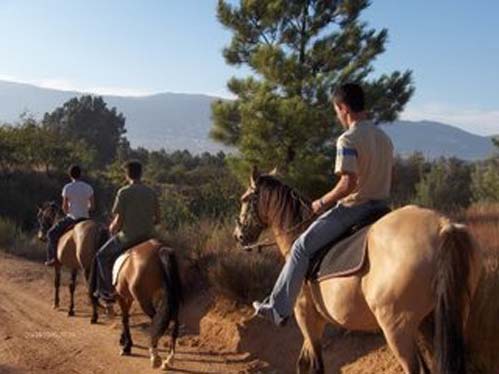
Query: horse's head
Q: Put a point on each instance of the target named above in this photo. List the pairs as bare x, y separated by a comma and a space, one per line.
255, 201
269, 202
46, 217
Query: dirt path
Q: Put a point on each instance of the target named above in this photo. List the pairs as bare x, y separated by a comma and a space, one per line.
34, 338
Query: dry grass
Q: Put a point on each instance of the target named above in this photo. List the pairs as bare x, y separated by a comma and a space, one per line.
484, 322
210, 251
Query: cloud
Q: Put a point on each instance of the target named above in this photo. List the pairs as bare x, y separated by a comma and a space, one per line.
482, 122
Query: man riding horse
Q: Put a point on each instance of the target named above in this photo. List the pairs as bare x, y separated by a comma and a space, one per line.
136, 211
364, 164
77, 201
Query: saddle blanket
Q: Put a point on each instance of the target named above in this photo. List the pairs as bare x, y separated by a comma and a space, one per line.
344, 258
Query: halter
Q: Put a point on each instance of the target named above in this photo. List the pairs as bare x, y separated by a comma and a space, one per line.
253, 212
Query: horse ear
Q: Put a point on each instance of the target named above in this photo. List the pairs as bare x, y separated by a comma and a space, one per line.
273, 172
255, 174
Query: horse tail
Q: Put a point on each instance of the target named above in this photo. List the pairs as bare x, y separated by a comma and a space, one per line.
172, 287
455, 258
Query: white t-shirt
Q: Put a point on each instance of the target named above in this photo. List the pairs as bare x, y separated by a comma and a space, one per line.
78, 194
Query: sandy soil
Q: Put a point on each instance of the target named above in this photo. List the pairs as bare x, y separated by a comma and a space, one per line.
217, 337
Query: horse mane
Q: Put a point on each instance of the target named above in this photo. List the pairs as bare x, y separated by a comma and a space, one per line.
288, 206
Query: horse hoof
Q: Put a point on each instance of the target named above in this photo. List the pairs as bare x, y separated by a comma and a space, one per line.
93, 320
71, 313
55, 306
126, 352
168, 363
155, 362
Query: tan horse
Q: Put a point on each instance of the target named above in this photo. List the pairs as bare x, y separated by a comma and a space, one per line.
421, 273
148, 275
75, 251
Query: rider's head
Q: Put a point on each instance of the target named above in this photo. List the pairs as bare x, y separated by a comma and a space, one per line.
349, 102
133, 170
74, 172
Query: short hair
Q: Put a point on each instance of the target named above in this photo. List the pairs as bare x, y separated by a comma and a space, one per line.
74, 171
352, 95
133, 169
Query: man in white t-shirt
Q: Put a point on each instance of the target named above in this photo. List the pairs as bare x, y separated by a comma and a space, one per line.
77, 201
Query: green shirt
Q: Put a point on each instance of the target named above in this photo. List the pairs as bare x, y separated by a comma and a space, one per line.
137, 205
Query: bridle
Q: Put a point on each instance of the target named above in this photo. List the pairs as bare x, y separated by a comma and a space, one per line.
260, 225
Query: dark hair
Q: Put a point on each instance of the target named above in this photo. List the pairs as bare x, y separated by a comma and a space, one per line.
133, 169
352, 95
74, 171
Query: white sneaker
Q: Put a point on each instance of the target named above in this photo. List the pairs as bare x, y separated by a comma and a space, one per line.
264, 311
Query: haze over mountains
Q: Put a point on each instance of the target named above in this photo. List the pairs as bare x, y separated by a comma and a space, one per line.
182, 121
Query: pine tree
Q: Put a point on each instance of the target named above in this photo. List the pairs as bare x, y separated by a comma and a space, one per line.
298, 51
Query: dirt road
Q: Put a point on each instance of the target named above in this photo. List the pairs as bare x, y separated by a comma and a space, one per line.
34, 338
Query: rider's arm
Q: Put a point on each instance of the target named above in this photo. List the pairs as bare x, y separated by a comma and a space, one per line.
65, 205
115, 225
345, 186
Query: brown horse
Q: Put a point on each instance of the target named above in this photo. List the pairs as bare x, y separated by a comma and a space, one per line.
150, 274
75, 250
419, 278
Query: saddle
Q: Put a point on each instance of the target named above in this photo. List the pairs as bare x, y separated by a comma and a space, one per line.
347, 254
123, 258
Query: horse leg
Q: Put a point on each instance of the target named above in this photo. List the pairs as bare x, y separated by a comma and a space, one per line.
401, 338
57, 284
312, 326
427, 332
126, 338
72, 287
169, 361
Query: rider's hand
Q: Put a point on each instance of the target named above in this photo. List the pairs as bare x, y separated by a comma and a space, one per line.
317, 206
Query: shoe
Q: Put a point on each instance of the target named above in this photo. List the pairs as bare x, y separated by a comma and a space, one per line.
108, 298
264, 311
50, 262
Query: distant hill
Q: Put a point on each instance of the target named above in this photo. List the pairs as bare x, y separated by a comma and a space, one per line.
182, 121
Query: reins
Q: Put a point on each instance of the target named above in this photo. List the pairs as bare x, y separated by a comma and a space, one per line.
267, 243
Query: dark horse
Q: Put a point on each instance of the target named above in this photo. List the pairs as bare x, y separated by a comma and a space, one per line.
75, 250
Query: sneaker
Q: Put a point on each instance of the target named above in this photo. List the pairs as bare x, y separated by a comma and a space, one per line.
50, 262
264, 311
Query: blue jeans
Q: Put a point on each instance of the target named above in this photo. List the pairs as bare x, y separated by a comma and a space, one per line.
55, 233
325, 230
104, 259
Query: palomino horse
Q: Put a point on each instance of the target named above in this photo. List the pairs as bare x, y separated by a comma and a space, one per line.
419, 278
75, 250
150, 271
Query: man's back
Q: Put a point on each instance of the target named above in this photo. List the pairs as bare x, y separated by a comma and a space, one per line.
370, 152
78, 194
137, 205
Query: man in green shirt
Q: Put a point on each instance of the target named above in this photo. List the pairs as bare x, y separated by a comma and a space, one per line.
136, 211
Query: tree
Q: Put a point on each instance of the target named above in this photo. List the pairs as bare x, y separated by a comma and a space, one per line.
88, 119
298, 50
446, 186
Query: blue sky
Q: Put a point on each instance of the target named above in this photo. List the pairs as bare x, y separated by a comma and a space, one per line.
137, 47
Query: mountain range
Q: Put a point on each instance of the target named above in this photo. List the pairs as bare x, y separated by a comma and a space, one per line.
182, 121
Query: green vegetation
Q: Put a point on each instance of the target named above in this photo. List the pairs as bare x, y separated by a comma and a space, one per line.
297, 51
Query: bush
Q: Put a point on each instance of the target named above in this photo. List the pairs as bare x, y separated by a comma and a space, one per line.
483, 328
210, 255
8, 231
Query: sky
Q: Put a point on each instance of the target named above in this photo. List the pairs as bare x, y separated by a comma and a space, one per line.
140, 47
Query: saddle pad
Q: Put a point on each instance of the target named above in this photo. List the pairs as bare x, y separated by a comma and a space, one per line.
118, 264
344, 258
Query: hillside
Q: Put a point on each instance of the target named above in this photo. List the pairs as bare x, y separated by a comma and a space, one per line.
182, 121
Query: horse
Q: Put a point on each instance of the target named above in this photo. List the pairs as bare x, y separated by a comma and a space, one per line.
419, 279
150, 270
75, 250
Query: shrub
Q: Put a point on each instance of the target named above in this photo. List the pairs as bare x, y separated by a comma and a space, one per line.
8, 231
